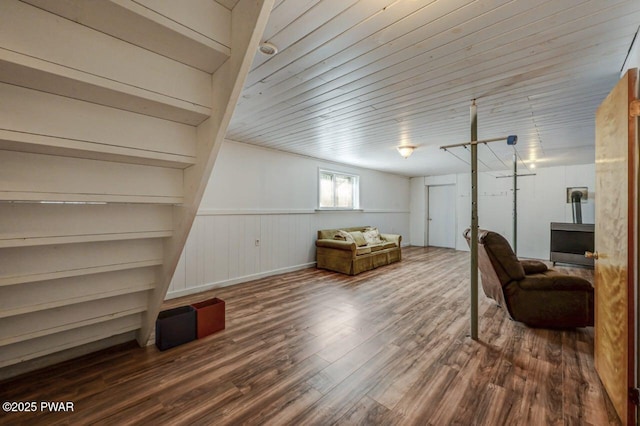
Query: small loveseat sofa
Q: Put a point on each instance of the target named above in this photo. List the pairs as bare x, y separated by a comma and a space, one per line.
347, 250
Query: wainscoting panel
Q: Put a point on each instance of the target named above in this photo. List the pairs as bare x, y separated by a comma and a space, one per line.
229, 247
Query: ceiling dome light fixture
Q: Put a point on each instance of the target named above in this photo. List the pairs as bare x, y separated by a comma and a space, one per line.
268, 49
406, 150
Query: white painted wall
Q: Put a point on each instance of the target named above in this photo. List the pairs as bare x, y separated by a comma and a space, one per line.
418, 210
272, 196
633, 59
541, 200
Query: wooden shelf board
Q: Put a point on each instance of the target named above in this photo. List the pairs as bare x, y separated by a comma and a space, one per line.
69, 343
71, 239
26, 71
69, 326
40, 144
76, 272
71, 301
86, 198
146, 28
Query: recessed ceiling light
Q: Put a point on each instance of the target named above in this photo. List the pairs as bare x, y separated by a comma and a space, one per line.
268, 49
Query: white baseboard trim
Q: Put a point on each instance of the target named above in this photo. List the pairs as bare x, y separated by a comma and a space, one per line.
238, 280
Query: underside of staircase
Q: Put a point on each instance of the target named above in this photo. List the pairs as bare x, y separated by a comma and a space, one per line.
112, 113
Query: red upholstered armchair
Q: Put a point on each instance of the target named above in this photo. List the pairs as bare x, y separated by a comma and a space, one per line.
529, 291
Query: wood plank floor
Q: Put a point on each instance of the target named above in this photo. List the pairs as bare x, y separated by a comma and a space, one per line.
386, 347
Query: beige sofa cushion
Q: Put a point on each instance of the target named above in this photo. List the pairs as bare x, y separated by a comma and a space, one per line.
344, 236
363, 250
382, 246
372, 235
358, 238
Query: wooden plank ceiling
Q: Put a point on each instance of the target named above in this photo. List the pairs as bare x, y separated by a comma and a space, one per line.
353, 79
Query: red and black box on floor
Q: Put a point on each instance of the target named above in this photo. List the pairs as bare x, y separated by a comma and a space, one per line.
186, 323
209, 316
175, 327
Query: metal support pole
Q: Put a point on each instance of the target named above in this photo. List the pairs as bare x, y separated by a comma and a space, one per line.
474, 222
511, 140
515, 202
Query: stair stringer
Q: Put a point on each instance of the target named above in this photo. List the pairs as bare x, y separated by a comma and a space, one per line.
248, 21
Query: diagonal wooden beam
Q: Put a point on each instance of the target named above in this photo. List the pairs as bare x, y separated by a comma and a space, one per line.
248, 21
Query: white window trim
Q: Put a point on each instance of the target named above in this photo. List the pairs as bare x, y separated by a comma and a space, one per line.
356, 191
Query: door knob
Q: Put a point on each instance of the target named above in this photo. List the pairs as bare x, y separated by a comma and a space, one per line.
591, 255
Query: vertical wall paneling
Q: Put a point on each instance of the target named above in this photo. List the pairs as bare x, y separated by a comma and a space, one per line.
253, 261
266, 252
207, 247
251, 196
191, 260
248, 20
228, 255
221, 252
